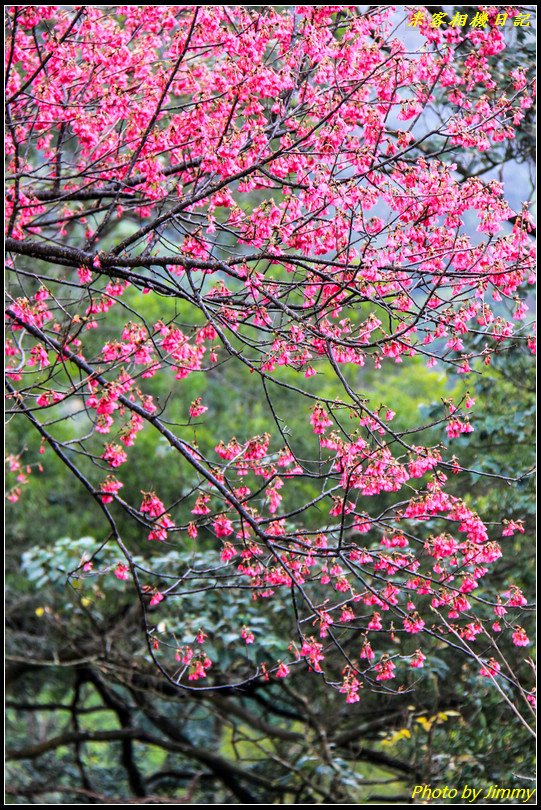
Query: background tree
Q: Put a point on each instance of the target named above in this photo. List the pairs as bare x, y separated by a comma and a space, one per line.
258, 203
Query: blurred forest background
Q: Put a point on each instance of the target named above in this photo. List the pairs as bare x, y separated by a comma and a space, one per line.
77, 670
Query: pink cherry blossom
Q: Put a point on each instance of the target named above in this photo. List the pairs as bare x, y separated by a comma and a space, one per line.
122, 571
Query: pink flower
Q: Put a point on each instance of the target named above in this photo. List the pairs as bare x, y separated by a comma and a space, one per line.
516, 597
228, 552
161, 526
247, 635
198, 668
367, 651
156, 599
152, 505
196, 408
417, 660
511, 527
85, 275
455, 428
350, 687
385, 670
520, 639
282, 671
222, 526
184, 655
122, 571
320, 419
347, 614
414, 624
375, 622
201, 507
312, 651
109, 489
490, 668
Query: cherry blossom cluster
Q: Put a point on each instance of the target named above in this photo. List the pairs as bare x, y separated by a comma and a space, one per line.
273, 171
